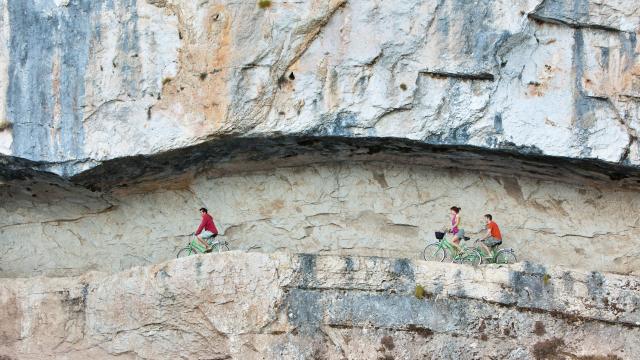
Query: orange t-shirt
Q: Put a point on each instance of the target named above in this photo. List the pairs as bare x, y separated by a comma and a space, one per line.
495, 231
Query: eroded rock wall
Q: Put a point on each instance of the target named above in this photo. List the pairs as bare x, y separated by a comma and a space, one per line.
367, 208
85, 81
278, 306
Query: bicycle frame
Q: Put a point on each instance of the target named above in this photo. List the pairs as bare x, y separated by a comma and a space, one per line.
197, 247
448, 245
460, 253
480, 249
494, 251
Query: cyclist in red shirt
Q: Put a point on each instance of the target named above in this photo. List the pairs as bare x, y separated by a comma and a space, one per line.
493, 236
207, 229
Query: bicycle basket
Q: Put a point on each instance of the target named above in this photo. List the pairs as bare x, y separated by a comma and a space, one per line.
439, 235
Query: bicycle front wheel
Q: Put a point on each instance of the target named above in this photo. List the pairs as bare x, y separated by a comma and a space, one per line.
506, 257
434, 252
184, 252
473, 258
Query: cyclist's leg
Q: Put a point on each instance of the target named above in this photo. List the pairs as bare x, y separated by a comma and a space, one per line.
456, 243
196, 245
204, 243
456, 240
213, 242
492, 243
204, 236
485, 249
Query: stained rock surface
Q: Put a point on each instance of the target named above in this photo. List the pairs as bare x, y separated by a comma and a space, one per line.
85, 81
252, 305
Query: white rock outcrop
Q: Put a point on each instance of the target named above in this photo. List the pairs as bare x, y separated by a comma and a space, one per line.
98, 80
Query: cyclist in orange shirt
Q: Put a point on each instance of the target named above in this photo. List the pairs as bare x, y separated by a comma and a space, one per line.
493, 237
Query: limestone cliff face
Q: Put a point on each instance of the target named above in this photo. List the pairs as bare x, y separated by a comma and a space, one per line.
279, 306
345, 128
84, 81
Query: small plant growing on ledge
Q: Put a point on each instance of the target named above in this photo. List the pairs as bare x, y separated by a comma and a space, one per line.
4, 124
263, 4
419, 292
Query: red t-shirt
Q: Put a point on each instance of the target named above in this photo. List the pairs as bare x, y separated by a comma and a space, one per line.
495, 231
207, 224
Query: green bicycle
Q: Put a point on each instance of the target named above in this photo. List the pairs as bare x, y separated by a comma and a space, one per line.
195, 247
442, 249
502, 256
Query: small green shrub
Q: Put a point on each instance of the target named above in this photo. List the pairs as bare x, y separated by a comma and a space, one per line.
263, 4
4, 124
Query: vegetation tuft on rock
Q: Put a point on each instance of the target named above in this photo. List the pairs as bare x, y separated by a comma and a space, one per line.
263, 4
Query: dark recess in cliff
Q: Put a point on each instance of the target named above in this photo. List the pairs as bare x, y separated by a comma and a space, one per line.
249, 153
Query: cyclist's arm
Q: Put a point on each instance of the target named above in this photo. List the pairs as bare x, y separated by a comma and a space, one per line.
200, 227
487, 235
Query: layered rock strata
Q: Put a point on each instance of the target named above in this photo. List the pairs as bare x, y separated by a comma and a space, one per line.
238, 305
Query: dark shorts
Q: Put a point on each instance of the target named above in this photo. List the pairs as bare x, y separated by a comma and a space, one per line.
491, 241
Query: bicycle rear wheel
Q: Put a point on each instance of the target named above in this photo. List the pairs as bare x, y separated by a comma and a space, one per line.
473, 258
506, 257
434, 252
186, 251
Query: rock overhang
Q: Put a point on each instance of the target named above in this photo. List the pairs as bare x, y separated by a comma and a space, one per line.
241, 153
